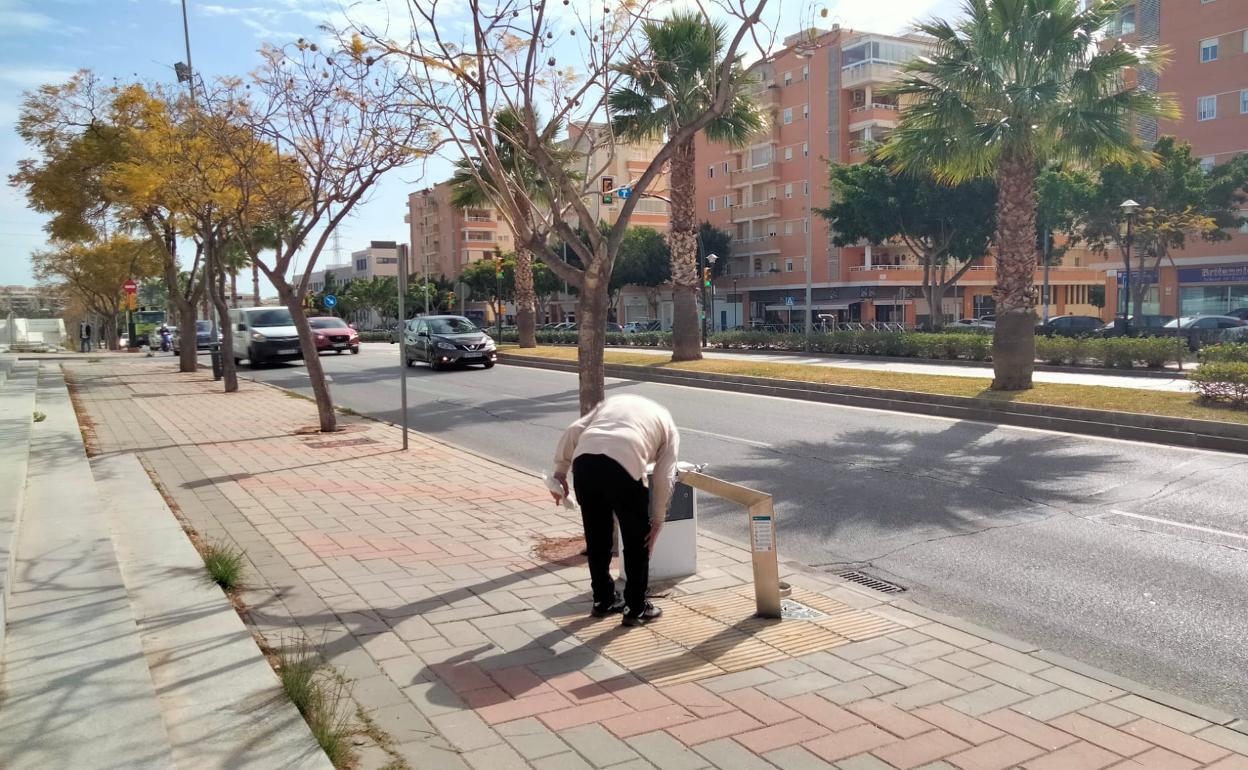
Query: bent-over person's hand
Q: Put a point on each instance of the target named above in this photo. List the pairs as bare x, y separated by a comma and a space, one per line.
562, 478
655, 528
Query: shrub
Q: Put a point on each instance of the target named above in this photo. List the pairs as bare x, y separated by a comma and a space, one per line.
1056, 351
1224, 351
224, 564
1222, 382
375, 335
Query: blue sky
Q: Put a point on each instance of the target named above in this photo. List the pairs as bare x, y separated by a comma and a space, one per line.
44, 41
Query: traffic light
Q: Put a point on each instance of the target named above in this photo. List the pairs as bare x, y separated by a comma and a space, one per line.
706, 277
608, 190
498, 268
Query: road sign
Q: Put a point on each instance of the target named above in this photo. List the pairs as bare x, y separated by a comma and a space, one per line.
130, 286
789, 301
626, 193
329, 301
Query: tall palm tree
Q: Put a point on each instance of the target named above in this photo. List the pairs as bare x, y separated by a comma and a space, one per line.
670, 85
1011, 85
472, 186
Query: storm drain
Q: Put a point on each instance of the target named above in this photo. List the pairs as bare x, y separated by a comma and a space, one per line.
870, 581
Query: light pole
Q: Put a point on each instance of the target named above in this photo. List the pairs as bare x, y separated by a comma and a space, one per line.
806, 54
736, 306
710, 283
1128, 208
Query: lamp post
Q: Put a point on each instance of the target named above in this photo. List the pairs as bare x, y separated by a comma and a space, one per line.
806, 53
711, 259
736, 306
1128, 208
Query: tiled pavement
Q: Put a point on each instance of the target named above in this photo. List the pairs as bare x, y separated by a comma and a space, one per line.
417, 572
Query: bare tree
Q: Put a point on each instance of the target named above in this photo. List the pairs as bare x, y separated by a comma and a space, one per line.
333, 124
508, 58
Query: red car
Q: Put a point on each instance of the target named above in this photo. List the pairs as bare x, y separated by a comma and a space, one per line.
334, 334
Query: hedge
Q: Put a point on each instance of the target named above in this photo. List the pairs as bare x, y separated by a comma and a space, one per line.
1120, 352
638, 339
1223, 382
1224, 351
375, 335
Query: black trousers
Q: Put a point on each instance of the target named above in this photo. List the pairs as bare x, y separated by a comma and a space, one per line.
606, 492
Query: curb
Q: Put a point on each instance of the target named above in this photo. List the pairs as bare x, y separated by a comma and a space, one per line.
1175, 431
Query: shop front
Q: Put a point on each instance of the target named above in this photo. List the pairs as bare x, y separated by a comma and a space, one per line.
1213, 290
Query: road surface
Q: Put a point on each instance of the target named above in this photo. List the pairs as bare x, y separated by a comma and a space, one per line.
1131, 557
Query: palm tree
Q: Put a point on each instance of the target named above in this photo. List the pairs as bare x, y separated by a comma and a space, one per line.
472, 187
1012, 85
670, 85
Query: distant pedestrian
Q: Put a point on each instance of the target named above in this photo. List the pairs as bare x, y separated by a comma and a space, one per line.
608, 451
84, 337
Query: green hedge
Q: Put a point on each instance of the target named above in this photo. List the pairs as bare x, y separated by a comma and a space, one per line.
1224, 351
376, 335
1224, 382
637, 340
948, 345
1119, 352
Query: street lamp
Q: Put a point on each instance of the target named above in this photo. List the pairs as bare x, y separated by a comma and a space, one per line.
710, 284
1128, 209
806, 53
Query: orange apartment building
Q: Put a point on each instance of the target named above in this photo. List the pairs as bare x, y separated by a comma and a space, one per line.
822, 91
1208, 76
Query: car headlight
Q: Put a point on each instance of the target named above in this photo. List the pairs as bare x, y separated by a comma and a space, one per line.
489, 344
446, 346
258, 337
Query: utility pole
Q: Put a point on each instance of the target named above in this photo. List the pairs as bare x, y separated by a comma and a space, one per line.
807, 55
403, 338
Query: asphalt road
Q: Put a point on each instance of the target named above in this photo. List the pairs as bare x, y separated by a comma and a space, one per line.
1130, 557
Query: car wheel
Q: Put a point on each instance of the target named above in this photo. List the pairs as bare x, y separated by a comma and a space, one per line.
252, 360
489, 364
338, 352
433, 361
355, 351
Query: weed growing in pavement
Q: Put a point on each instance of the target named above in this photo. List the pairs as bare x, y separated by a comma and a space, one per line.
224, 564
321, 697
40, 417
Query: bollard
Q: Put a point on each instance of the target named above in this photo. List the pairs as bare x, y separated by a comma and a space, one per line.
762, 521
218, 370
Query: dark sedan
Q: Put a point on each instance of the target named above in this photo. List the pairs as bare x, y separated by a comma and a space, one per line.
1070, 326
447, 340
206, 336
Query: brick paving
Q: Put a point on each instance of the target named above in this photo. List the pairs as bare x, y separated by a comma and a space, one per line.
416, 572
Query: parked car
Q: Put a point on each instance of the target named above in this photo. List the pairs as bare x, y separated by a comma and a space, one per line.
1204, 328
566, 326
972, 324
206, 336
1240, 312
1070, 326
1144, 326
612, 326
642, 325
332, 333
1236, 334
447, 340
396, 333
264, 334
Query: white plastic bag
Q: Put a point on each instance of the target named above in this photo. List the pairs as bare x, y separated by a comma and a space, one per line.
556, 489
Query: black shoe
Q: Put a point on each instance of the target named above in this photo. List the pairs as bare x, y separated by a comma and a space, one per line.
648, 613
603, 609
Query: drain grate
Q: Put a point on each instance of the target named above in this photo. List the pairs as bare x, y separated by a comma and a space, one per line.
870, 581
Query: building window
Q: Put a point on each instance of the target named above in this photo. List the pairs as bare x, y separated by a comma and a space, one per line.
1207, 108
806, 187
788, 190
361, 264
805, 225
760, 156
1206, 164
788, 153
712, 203
805, 71
788, 115
710, 172
805, 149
1243, 102
758, 265
788, 228
788, 78
725, 167
727, 202
788, 265
1209, 49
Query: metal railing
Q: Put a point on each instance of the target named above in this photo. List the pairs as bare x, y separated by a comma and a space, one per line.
873, 106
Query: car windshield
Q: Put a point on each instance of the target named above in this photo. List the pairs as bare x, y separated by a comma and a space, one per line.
451, 326
1185, 322
327, 323
204, 327
275, 317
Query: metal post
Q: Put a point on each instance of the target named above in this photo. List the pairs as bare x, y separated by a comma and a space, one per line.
810, 193
711, 314
426, 287
403, 339
1126, 285
498, 308
1048, 289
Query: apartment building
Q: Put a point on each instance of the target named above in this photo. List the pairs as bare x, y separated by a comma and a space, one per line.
381, 258
1208, 76
823, 91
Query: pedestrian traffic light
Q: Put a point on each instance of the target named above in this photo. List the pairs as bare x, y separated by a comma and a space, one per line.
706, 277
608, 190
498, 268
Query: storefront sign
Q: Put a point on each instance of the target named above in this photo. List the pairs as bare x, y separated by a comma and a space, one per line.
1139, 276
1220, 274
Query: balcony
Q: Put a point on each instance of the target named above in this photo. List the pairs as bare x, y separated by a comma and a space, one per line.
767, 98
750, 211
768, 172
869, 71
479, 218
873, 114
762, 244
911, 274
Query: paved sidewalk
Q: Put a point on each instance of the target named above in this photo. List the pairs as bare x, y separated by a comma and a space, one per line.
418, 571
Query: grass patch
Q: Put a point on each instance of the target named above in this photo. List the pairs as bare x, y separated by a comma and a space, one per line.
224, 564
40, 416
321, 697
1132, 400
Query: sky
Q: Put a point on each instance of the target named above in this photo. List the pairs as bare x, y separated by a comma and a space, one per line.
46, 41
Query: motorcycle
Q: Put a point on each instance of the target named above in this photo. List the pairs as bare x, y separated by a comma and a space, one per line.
166, 341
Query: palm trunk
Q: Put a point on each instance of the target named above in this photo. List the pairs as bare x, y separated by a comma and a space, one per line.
255, 284
526, 300
591, 314
311, 360
683, 242
234, 288
1014, 340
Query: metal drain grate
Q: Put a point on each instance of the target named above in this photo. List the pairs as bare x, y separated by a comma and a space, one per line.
874, 583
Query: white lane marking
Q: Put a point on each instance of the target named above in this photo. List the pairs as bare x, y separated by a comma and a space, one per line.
733, 439
1168, 522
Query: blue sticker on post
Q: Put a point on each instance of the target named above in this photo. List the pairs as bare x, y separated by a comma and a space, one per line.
762, 535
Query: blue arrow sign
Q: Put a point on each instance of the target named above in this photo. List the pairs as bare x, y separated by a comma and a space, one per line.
626, 192
330, 300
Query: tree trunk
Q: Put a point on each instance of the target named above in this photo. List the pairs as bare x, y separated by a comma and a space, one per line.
591, 315
683, 242
255, 284
233, 288
1014, 340
526, 300
311, 359
216, 292
188, 360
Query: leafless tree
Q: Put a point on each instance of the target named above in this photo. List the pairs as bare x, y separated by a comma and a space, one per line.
552, 64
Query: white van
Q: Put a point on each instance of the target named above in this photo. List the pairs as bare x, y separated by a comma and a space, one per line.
263, 334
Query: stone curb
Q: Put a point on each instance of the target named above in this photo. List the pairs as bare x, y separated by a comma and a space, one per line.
1177, 431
